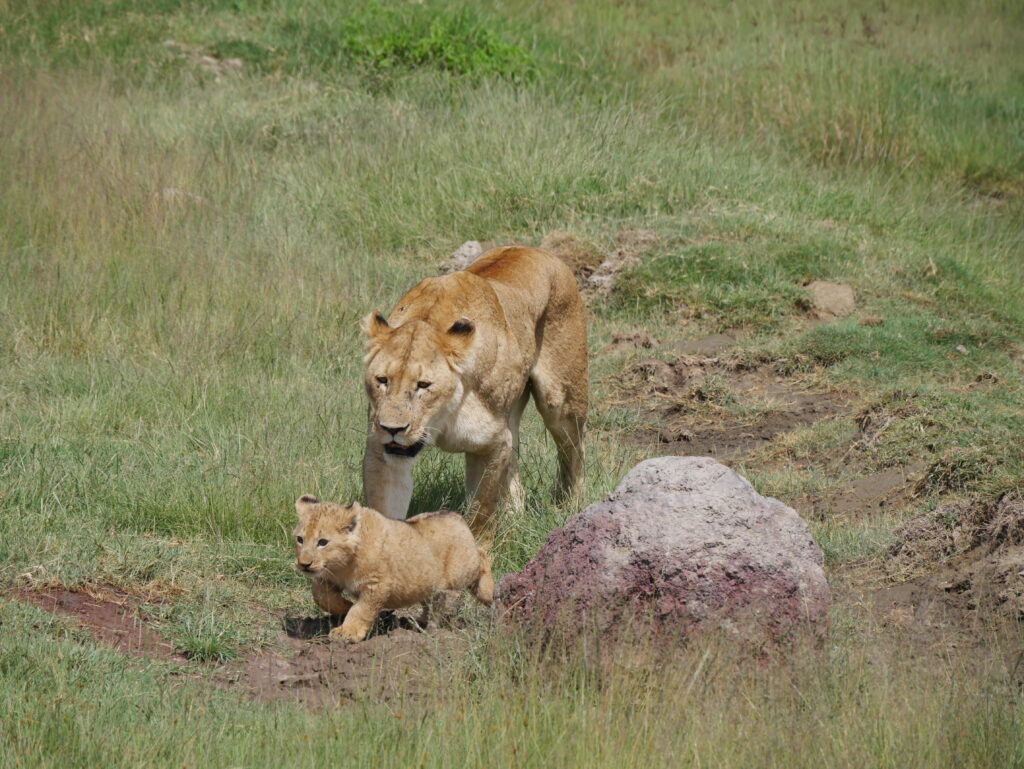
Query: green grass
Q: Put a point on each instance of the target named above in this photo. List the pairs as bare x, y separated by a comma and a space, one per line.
187, 252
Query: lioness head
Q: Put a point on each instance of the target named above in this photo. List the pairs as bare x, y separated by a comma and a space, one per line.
413, 380
326, 534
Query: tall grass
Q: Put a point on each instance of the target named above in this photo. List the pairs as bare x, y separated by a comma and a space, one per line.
507, 704
187, 252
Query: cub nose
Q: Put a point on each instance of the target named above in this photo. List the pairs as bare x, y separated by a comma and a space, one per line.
304, 565
394, 430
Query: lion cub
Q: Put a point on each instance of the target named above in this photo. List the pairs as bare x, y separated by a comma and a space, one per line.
384, 563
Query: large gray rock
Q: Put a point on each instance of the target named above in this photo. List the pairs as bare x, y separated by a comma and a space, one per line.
683, 543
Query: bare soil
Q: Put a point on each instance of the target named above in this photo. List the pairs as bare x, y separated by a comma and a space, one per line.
859, 499
109, 615
715, 407
397, 661
954, 577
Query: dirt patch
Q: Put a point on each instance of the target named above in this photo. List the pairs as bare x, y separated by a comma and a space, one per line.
956, 576
398, 660
983, 527
631, 340
109, 615
720, 408
878, 492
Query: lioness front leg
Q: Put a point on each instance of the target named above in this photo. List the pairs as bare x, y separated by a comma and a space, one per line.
360, 619
487, 479
330, 599
387, 480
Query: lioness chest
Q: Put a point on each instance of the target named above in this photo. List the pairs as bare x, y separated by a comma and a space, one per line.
473, 427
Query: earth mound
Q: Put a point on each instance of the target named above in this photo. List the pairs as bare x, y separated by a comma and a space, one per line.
683, 544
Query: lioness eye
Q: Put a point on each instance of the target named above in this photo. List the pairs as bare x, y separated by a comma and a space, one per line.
321, 543
299, 540
382, 380
423, 385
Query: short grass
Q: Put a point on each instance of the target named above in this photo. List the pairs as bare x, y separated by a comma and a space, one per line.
188, 246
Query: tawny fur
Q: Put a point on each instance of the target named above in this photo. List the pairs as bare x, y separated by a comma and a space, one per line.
454, 365
383, 563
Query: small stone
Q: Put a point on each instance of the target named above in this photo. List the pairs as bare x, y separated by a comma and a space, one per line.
830, 300
463, 256
962, 350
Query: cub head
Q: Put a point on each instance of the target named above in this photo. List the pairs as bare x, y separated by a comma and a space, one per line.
413, 379
326, 534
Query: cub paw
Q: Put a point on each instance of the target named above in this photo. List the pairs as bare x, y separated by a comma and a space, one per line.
346, 635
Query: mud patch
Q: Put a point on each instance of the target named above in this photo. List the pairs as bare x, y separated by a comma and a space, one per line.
959, 573
968, 602
720, 408
109, 615
397, 662
980, 526
863, 497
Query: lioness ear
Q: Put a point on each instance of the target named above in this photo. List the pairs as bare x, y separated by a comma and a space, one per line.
305, 502
462, 326
375, 324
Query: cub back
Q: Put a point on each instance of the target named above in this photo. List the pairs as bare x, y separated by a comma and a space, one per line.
452, 543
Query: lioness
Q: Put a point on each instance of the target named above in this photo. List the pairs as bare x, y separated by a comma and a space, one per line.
384, 564
454, 365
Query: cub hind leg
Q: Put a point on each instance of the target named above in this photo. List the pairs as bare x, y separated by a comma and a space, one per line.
483, 590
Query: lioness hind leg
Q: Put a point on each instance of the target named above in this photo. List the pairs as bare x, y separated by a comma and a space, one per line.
564, 411
560, 389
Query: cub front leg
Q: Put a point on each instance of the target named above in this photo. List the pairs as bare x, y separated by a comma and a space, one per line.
329, 598
387, 480
360, 618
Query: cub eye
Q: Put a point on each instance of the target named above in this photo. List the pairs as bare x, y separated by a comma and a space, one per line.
382, 380
321, 543
423, 385
299, 540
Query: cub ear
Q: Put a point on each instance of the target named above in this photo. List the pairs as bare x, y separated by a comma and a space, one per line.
463, 326
375, 324
304, 502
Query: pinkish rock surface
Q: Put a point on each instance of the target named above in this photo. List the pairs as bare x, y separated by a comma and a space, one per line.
685, 544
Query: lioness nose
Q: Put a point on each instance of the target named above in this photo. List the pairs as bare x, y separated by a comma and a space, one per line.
304, 565
393, 430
